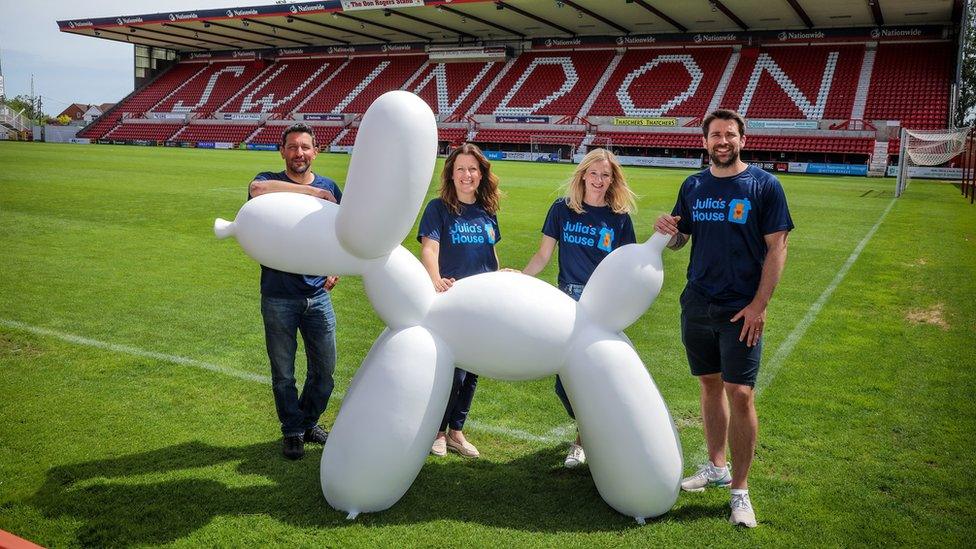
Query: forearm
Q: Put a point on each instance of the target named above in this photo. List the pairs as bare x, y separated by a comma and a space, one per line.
428, 257
257, 188
536, 264
771, 273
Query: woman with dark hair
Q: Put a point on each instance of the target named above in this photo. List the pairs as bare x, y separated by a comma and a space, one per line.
587, 223
457, 235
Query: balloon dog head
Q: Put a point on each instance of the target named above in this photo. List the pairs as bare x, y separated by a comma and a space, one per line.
502, 325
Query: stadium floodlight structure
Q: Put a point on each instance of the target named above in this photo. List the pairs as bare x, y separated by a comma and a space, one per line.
927, 148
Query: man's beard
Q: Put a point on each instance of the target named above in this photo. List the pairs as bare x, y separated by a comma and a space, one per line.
299, 168
733, 158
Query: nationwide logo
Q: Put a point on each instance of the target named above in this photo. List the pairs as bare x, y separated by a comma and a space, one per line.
295, 51
200, 56
243, 54
303, 9
128, 20
73, 24
879, 33
621, 40
699, 38
241, 13
800, 35
341, 49
182, 16
557, 42
395, 47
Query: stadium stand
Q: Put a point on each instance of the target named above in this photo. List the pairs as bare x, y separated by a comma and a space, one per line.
911, 84
210, 88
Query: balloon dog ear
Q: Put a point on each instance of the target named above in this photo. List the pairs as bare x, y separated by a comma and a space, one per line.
389, 174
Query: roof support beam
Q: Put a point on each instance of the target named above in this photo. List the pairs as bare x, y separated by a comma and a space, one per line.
211, 33
144, 30
339, 29
382, 26
876, 11
430, 23
128, 38
482, 21
661, 14
535, 17
289, 29
801, 13
266, 35
728, 13
596, 16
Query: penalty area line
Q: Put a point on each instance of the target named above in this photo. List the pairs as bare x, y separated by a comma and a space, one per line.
552, 436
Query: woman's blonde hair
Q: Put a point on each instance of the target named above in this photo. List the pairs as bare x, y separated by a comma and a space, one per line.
487, 194
619, 196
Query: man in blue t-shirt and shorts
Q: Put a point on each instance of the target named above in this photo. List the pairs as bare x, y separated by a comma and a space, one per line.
737, 220
294, 302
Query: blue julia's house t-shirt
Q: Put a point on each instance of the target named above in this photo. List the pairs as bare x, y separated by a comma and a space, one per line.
467, 241
275, 283
585, 239
727, 218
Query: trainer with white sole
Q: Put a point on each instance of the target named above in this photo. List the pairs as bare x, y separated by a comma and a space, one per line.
737, 220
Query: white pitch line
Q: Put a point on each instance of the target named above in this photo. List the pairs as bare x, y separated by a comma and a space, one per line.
135, 351
768, 372
553, 436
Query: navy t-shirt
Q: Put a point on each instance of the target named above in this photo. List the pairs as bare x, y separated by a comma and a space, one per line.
727, 218
585, 239
275, 283
467, 241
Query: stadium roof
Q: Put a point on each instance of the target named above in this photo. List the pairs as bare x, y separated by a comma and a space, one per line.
356, 22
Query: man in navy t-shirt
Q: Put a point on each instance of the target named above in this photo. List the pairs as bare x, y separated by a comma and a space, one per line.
737, 220
296, 302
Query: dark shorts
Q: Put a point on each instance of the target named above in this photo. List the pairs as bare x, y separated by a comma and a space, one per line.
712, 342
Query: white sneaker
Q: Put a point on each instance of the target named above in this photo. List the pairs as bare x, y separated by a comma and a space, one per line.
575, 457
708, 475
742, 513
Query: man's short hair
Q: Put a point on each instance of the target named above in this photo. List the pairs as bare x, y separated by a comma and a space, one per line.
298, 128
724, 114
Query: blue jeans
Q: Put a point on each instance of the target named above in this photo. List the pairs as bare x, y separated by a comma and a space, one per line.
574, 291
315, 319
459, 403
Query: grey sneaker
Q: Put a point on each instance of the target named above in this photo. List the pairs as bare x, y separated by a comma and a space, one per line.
706, 477
742, 513
575, 457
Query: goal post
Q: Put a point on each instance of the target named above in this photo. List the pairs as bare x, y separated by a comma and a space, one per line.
927, 148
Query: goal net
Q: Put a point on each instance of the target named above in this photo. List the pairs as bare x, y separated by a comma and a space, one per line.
922, 150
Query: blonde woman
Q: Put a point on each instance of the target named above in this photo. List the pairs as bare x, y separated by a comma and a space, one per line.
589, 222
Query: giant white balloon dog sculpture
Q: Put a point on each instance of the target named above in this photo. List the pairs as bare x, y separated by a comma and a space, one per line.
502, 325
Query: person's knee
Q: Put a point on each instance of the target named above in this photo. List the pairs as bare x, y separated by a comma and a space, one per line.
711, 385
741, 397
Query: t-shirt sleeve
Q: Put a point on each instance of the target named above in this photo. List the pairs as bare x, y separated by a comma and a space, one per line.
336, 192
498, 229
775, 211
551, 226
430, 222
681, 209
627, 235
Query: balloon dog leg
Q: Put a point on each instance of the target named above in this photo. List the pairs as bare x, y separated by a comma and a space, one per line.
631, 443
387, 421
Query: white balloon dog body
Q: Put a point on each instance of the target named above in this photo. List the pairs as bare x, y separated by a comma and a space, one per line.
502, 325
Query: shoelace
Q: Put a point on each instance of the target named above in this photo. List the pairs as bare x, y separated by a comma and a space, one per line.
741, 502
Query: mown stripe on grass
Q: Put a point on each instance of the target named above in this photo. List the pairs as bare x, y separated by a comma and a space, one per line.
135, 351
557, 434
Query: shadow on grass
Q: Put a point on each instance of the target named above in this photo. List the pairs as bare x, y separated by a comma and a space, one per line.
531, 493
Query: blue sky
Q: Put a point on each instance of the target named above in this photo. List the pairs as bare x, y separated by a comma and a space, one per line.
69, 68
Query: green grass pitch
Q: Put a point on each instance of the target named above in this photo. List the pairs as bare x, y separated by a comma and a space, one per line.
134, 407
